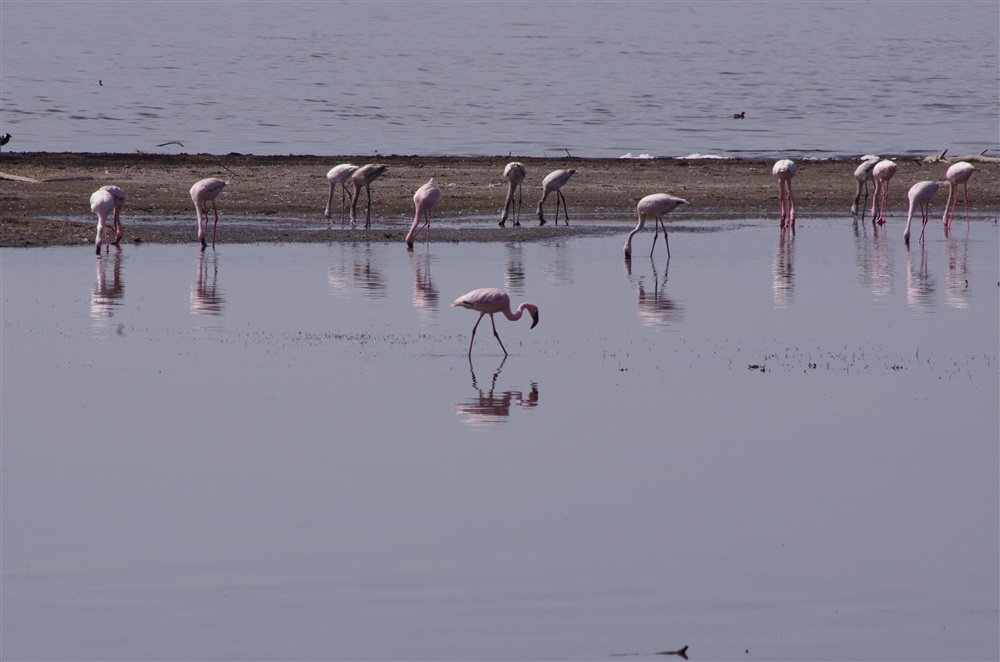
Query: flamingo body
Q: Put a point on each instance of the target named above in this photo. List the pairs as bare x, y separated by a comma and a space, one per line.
881, 173
920, 195
102, 203
363, 178
489, 301
119, 195
553, 183
203, 192
958, 173
423, 200
338, 175
654, 206
514, 173
862, 175
784, 170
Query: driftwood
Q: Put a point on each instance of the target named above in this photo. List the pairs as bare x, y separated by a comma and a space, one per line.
980, 158
19, 178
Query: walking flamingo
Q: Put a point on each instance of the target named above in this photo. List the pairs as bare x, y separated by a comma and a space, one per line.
862, 175
338, 175
784, 170
882, 173
514, 173
203, 192
363, 177
119, 196
424, 200
920, 195
654, 206
102, 203
957, 174
488, 301
553, 183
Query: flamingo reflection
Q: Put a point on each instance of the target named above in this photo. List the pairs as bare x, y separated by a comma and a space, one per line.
873, 264
655, 308
206, 297
352, 266
107, 294
513, 270
490, 406
957, 276
919, 284
783, 269
557, 265
425, 295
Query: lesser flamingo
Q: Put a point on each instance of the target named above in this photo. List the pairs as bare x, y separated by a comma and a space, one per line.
784, 170
203, 192
862, 175
958, 173
102, 203
338, 175
363, 178
920, 195
553, 183
488, 301
514, 173
882, 173
423, 200
654, 206
119, 195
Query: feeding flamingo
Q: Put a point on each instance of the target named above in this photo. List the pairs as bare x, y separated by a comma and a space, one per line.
784, 170
514, 173
958, 173
424, 200
862, 175
882, 173
488, 301
553, 183
654, 206
363, 178
338, 175
102, 203
203, 192
119, 196
920, 195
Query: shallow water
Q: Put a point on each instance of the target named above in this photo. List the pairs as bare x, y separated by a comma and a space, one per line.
452, 78
764, 448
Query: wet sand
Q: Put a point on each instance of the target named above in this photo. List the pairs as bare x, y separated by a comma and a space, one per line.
281, 198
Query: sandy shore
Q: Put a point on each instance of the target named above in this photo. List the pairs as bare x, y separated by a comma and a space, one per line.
281, 199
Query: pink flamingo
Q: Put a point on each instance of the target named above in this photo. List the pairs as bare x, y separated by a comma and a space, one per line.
958, 173
363, 178
654, 206
338, 175
882, 173
514, 173
488, 301
102, 203
553, 182
920, 195
203, 192
784, 170
119, 196
862, 175
424, 200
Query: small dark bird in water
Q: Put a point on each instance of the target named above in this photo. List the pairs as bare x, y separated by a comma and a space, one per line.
101, 83
4, 139
740, 115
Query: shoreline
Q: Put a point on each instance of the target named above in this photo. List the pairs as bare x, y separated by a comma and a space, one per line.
37, 189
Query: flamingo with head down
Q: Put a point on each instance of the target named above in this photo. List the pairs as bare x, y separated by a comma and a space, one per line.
424, 200
920, 195
654, 206
203, 192
514, 173
102, 203
489, 301
338, 175
958, 173
881, 173
784, 170
553, 183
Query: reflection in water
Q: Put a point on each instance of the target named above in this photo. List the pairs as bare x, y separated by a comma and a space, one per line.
351, 267
206, 297
783, 269
556, 262
655, 308
919, 285
957, 276
425, 295
873, 260
513, 270
107, 296
490, 407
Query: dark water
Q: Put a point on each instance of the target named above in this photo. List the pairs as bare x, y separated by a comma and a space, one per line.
765, 448
433, 78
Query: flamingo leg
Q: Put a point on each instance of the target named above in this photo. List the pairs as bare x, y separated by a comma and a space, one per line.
215, 225
476, 326
497, 336
368, 197
520, 200
565, 213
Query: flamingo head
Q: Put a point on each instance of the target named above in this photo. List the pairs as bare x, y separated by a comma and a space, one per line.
533, 311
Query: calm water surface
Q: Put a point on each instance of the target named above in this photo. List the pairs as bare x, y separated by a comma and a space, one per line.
766, 448
451, 78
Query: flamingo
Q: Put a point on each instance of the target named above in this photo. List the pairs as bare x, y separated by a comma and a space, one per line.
514, 173
102, 203
784, 170
488, 301
338, 175
202, 192
119, 196
656, 206
881, 173
363, 178
957, 174
553, 182
424, 200
920, 195
862, 175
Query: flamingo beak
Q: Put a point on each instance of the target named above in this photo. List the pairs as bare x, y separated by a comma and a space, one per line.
534, 320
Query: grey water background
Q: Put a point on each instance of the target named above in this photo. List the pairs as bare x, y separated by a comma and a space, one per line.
767, 448
596, 79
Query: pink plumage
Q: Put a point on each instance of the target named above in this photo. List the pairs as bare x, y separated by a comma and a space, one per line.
958, 173
423, 200
654, 206
489, 301
203, 192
